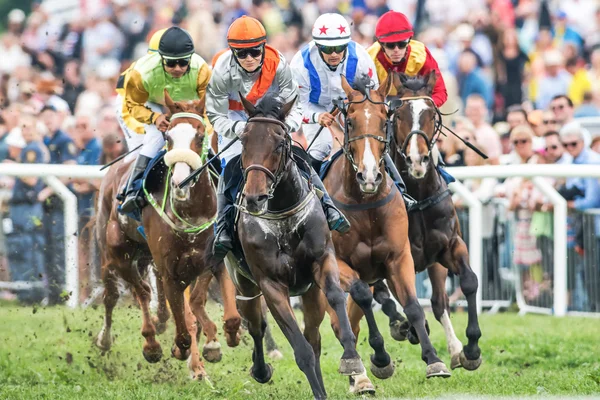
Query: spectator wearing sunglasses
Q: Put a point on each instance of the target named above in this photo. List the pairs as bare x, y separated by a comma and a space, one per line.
175, 68
562, 107
317, 68
573, 139
395, 51
252, 68
555, 151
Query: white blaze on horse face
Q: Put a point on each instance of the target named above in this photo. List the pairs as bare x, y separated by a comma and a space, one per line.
417, 107
367, 115
369, 163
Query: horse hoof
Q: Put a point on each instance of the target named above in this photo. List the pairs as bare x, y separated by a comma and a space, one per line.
383, 372
413, 338
351, 366
212, 352
103, 344
455, 362
152, 356
176, 352
437, 369
275, 355
399, 330
261, 379
362, 385
469, 365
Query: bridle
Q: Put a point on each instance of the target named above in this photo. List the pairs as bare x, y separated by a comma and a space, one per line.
285, 156
348, 140
396, 104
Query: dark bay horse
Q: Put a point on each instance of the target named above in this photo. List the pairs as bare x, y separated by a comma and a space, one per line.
435, 237
177, 226
377, 246
288, 249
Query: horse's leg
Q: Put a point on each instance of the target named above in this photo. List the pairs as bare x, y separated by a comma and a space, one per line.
458, 261
232, 318
111, 296
440, 305
401, 278
198, 297
252, 312
277, 298
313, 306
162, 313
183, 339
272, 349
398, 324
195, 364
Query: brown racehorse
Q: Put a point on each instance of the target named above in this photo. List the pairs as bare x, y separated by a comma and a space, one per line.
377, 246
176, 236
435, 237
287, 247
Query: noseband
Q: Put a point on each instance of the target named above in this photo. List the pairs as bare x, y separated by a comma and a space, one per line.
274, 177
347, 139
396, 104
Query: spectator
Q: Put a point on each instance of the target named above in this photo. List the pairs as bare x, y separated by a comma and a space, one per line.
580, 82
556, 82
555, 151
3, 136
476, 111
587, 107
113, 146
516, 115
510, 69
595, 146
73, 83
48, 89
101, 39
563, 109
472, 81
594, 71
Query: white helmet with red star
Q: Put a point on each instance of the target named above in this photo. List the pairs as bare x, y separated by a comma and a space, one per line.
331, 30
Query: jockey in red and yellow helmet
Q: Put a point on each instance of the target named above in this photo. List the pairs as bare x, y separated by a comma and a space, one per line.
395, 50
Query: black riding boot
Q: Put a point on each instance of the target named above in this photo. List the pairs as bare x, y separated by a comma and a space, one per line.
335, 218
133, 199
390, 167
223, 243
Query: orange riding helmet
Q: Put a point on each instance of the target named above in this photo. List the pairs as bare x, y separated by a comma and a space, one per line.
246, 32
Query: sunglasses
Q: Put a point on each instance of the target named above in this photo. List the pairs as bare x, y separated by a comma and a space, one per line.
253, 52
400, 45
549, 121
332, 49
571, 144
559, 107
182, 62
553, 147
520, 141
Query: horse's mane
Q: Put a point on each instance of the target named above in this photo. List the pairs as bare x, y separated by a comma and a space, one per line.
414, 83
269, 106
362, 83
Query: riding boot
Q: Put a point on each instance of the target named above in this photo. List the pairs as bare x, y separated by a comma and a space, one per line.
335, 218
390, 167
223, 243
132, 199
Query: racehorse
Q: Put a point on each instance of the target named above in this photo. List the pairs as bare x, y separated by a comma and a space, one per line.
434, 231
377, 246
176, 232
287, 245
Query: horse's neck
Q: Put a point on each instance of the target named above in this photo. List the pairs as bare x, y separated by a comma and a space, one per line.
290, 191
201, 202
352, 188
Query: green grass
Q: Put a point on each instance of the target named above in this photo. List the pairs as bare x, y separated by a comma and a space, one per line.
48, 353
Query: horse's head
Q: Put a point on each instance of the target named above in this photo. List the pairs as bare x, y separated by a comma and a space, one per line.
415, 120
266, 150
365, 130
186, 144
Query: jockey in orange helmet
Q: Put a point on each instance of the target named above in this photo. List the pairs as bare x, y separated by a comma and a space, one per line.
396, 51
253, 68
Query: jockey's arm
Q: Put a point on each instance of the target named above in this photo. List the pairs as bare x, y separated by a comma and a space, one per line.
288, 90
203, 79
309, 115
217, 107
136, 97
439, 94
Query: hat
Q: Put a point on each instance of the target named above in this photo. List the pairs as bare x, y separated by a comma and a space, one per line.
47, 86
48, 107
553, 58
16, 16
464, 32
536, 117
502, 128
15, 138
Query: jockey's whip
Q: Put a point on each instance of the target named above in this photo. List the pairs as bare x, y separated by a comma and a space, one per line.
197, 172
333, 110
122, 156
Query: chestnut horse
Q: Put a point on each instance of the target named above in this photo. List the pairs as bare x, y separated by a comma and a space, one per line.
435, 237
177, 227
287, 247
377, 246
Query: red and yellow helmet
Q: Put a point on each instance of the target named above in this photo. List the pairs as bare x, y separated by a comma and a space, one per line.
393, 27
246, 32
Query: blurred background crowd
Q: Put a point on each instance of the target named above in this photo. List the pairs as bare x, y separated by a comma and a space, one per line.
520, 74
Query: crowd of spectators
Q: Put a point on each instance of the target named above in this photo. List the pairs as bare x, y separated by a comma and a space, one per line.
518, 73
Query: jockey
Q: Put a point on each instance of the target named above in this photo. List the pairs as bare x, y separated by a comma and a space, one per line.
253, 68
317, 68
174, 67
396, 51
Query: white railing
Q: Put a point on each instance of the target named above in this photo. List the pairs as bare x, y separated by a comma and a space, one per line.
50, 173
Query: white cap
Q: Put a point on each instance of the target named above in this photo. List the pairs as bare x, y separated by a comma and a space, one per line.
331, 30
553, 58
16, 16
15, 138
464, 32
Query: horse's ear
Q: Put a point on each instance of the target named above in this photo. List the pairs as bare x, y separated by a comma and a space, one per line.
431, 81
250, 109
170, 103
346, 86
398, 80
386, 86
287, 107
199, 105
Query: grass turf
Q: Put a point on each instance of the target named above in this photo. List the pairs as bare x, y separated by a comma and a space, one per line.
48, 353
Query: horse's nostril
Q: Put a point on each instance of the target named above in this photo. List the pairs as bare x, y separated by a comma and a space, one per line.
425, 159
408, 159
360, 177
262, 198
379, 177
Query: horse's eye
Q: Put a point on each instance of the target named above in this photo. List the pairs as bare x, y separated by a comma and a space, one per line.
279, 148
